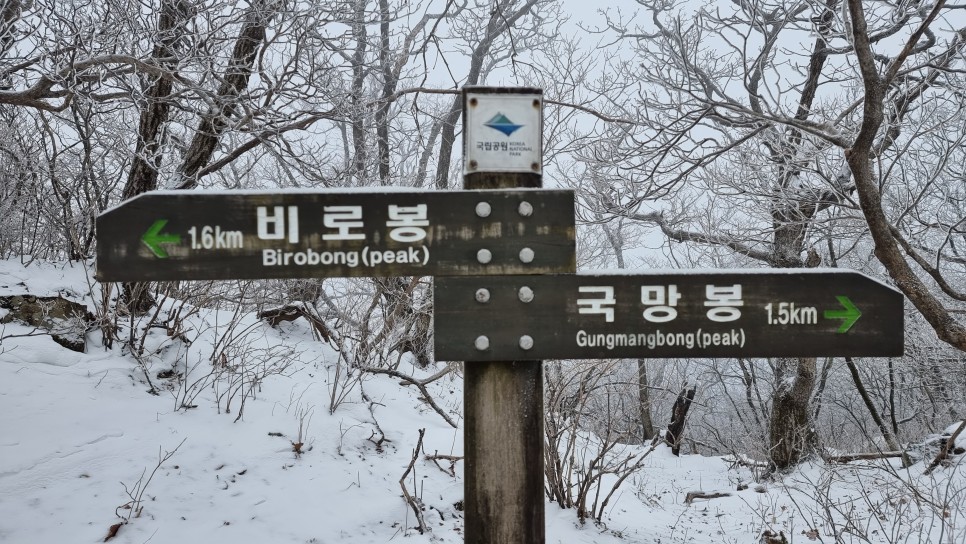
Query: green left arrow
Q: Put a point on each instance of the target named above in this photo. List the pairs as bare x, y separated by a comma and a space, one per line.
153, 239
849, 315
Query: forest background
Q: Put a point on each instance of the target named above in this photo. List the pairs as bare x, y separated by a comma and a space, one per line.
723, 135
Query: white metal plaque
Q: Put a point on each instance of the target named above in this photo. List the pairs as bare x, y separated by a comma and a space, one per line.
503, 133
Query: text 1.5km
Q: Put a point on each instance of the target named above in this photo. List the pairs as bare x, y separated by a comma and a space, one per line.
208, 237
786, 313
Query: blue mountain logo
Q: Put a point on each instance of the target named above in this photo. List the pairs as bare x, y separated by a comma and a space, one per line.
503, 124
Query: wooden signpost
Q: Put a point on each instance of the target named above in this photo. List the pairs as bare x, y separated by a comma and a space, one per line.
191, 235
752, 313
502, 311
503, 398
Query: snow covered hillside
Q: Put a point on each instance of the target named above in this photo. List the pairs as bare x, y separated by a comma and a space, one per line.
226, 429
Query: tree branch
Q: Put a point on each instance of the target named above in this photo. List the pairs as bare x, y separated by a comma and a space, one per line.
859, 158
677, 235
420, 384
933, 271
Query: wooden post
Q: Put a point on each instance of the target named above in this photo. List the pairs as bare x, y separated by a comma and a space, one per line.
503, 403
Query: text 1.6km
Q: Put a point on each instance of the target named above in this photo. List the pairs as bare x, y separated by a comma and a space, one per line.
209, 237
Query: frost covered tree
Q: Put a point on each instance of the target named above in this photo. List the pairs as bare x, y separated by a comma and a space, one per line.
792, 135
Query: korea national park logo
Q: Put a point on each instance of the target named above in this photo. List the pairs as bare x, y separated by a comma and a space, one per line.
503, 124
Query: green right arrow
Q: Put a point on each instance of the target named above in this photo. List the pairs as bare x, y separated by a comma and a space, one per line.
153, 239
849, 315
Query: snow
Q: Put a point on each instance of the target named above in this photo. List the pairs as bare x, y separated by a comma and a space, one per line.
718, 271
374, 190
821, 271
80, 429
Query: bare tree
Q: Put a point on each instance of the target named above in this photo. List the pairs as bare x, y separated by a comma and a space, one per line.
587, 433
892, 87
491, 35
233, 81
761, 146
156, 103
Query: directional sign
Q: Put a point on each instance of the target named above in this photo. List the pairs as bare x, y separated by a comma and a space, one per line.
191, 235
749, 313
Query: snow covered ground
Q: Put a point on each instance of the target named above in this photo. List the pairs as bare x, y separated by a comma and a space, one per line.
84, 446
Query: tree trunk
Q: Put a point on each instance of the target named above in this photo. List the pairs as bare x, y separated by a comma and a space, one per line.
644, 401
137, 297
501, 20
748, 379
892, 398
388, 87
890, 439
791, 433
143, 176
820, 388
233, 81
861, 160
9, 14
358, 112
679, 416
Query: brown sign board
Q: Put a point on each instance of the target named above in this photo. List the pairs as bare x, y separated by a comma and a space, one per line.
192, 235
748, 313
